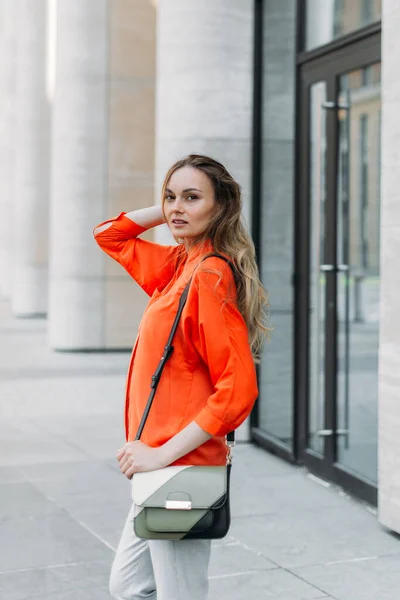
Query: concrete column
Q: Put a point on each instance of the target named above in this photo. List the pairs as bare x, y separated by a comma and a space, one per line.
389, 353
204, 86
32, 169
9, 29
102, 163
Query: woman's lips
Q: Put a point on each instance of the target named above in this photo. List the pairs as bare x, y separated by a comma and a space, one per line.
179, 222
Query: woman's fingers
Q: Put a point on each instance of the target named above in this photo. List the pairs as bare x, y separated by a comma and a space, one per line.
127, 448
128, 469
134, 457
125, 460
130, 473
121, 453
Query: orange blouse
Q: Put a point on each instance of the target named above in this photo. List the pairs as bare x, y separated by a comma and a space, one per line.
210, 377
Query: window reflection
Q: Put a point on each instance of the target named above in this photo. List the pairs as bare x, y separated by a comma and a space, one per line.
327, 20
358, 251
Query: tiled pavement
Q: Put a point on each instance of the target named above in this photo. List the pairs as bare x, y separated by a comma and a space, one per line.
63, 501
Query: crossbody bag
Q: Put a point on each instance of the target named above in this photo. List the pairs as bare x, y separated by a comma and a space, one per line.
182, 502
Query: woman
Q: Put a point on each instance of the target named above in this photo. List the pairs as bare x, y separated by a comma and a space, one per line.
209, 385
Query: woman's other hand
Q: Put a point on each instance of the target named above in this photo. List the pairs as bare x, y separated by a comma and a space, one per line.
136, 457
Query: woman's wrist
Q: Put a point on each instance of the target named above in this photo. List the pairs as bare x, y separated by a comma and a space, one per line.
182, 443
147, 217
163, 457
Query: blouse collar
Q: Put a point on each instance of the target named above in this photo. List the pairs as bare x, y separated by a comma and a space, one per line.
198, 250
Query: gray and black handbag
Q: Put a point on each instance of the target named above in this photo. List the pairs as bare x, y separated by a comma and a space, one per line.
181, 502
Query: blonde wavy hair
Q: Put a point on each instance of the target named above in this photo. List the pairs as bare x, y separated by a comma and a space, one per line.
229, 236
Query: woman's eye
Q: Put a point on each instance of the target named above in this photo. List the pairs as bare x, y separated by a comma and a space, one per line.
192, 197
169, 198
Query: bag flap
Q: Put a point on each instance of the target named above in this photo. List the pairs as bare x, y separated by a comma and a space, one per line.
181, 486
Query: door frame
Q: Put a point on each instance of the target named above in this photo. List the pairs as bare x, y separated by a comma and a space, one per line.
323, 67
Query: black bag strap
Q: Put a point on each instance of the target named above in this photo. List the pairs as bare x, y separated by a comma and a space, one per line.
168, 349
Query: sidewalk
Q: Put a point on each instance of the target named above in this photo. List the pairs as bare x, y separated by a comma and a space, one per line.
63, 501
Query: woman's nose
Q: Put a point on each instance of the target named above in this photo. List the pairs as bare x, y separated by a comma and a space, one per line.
177, 205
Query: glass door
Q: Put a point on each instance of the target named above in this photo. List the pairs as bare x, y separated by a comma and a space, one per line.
338, 264
358, 250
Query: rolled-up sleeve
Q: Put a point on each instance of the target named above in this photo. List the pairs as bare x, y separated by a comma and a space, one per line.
221, 338
151, 265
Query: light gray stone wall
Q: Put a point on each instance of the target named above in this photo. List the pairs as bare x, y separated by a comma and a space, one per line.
8, 46
389, 354
32, 168
204, 87
277, 219
102, 163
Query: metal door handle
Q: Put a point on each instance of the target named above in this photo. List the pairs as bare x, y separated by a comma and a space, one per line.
330, 104
330, 432
334, 267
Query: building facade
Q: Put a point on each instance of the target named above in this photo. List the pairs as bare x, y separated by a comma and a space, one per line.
300, 100
318, 182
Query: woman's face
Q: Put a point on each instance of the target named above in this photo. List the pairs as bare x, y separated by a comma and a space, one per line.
189, 204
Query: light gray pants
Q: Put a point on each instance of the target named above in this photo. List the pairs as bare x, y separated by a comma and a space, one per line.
159, 569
